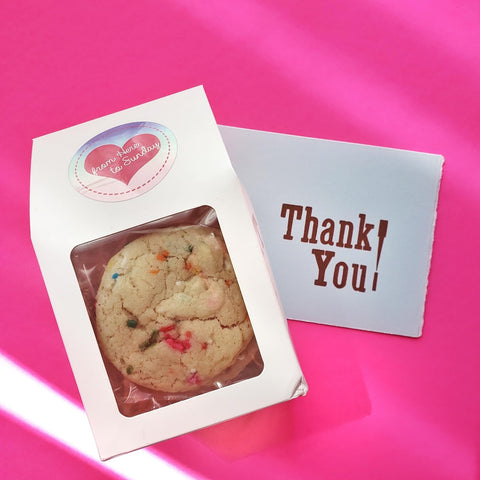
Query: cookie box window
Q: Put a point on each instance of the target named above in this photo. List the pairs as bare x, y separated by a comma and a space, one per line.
167, 311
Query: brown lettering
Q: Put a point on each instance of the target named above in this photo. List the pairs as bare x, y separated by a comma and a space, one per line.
344, 225
359, 287
340, 281
326, 237
310, 221
291, 210
363, 231
322, 264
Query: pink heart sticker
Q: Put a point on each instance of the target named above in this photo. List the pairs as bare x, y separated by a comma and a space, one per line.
122, 163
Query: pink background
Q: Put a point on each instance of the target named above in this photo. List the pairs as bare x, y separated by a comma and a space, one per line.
397, 74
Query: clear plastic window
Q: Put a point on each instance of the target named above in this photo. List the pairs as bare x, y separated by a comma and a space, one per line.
167, 310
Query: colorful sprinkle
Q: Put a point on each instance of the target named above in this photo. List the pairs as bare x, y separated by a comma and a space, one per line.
132, 323
179, 345
115, 276
129, 370
190, 248
167, 328
162, 256
194, 379
155, 271
173, 334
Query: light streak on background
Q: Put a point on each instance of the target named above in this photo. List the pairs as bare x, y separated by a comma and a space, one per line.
34, 403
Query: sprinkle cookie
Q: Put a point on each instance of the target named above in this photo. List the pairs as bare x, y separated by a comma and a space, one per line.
169, 312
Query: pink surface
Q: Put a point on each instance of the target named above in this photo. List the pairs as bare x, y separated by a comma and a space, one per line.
398, 74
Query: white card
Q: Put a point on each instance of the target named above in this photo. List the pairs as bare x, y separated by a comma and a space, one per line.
348, 228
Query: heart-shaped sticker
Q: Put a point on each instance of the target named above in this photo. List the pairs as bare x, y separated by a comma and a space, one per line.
122, 163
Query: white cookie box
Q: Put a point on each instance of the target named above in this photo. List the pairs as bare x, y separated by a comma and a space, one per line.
67, 210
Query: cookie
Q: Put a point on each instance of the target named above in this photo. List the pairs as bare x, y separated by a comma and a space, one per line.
169, 311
